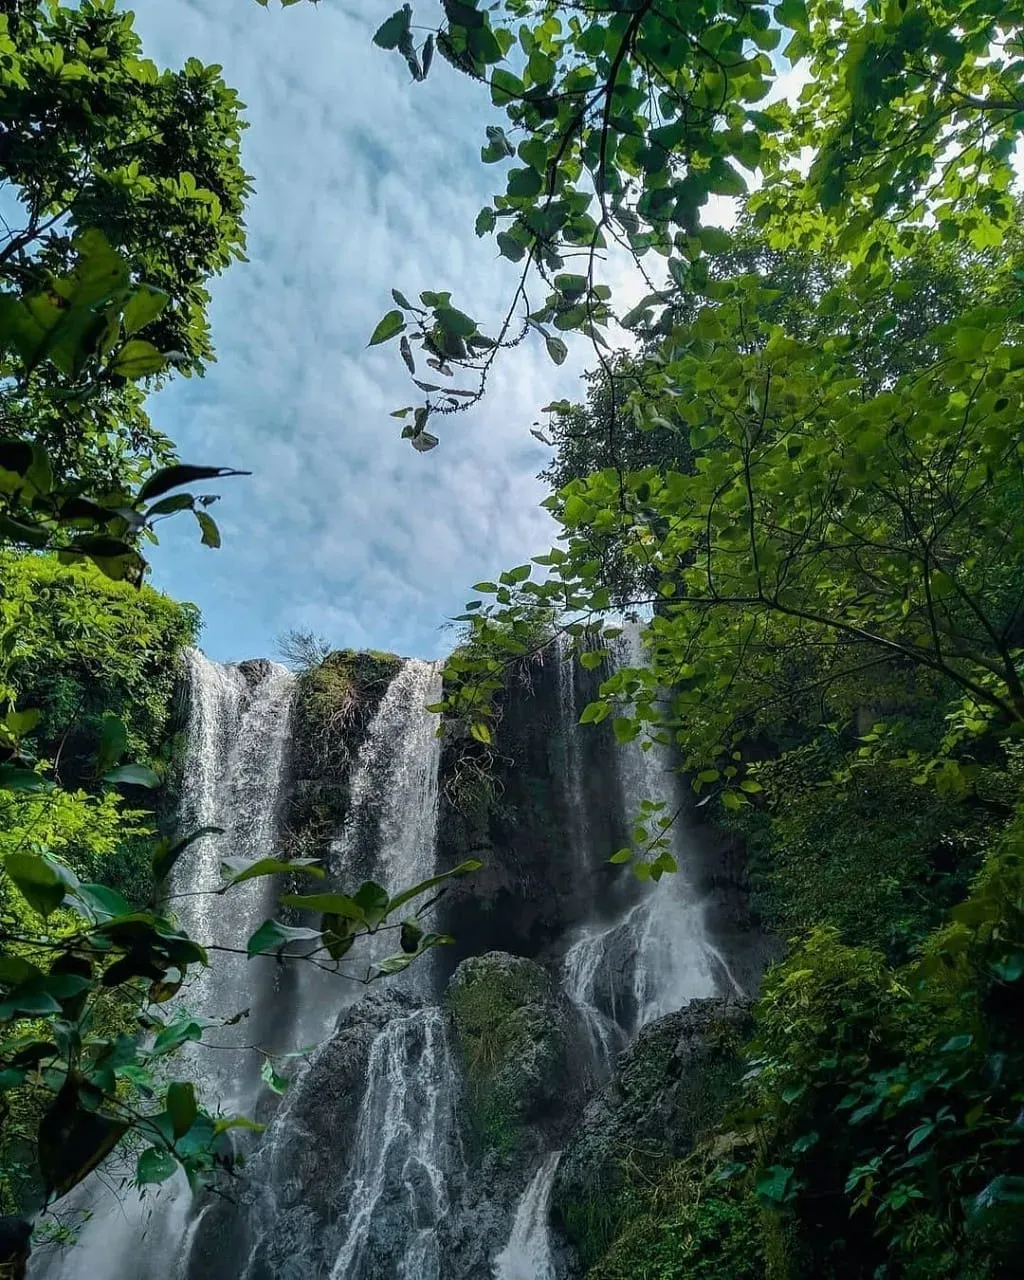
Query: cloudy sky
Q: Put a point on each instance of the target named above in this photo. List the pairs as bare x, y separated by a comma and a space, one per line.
362, 181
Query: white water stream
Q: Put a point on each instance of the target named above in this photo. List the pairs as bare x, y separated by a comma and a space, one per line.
527, 1256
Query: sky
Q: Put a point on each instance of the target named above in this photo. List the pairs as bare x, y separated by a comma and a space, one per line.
363, 181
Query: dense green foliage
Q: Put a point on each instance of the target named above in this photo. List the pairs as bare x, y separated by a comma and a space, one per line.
96, 137
132, 196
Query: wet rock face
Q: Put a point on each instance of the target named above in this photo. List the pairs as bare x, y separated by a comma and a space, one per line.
510, 807
294, 1188
669, 1088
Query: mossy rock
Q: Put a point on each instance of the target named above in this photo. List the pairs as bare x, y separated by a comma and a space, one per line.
670, 1090
336, 701
510, 1027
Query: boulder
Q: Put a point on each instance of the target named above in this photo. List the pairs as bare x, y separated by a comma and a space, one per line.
669, 1089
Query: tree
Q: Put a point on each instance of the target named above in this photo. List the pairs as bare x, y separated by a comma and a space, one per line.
625, 119
94, 137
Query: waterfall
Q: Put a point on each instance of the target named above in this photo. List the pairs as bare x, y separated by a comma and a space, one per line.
390, 1183
237, 734
653, 956
393, 815
527, 1256
239, 725
389, 830
406, 1126
361, 1172
568, 716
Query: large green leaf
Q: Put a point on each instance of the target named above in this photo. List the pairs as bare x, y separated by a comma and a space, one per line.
463, 869
155, 1165
181, 1106
237, 870
167, 851
393, 30
272, 935
181, 474
338, 904
73, 1141
38, 881
392, 325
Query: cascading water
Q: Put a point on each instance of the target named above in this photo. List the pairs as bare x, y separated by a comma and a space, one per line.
391, 1182
237, 732
406, 1129
653, 956
528, 1256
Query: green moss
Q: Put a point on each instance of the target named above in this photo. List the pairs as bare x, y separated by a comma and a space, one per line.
507, 1041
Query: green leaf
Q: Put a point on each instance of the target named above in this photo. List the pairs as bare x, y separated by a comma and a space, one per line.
168, 478
211, 534
181, 1106
557, 350
174, 1035
72, 1141
238, 870
392, 325
524, 183
137, 359
456, 322
480, 731
509, 247
37, 880
145, 304
957, 1044
155, 1165
410, 937
793, 14
113, 742
135, 775
621, 856
337, 904
391, 32
102, 902
272, 934
14, 778
505, 87
373, 899
167, 851
773, 1185
463, 869
278, 1084
485, 221
1011, 969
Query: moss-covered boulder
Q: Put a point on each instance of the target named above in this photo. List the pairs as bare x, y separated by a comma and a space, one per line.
335, 703
512, 1030
669, 1090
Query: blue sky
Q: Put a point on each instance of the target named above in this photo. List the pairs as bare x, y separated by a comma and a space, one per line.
362, 181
